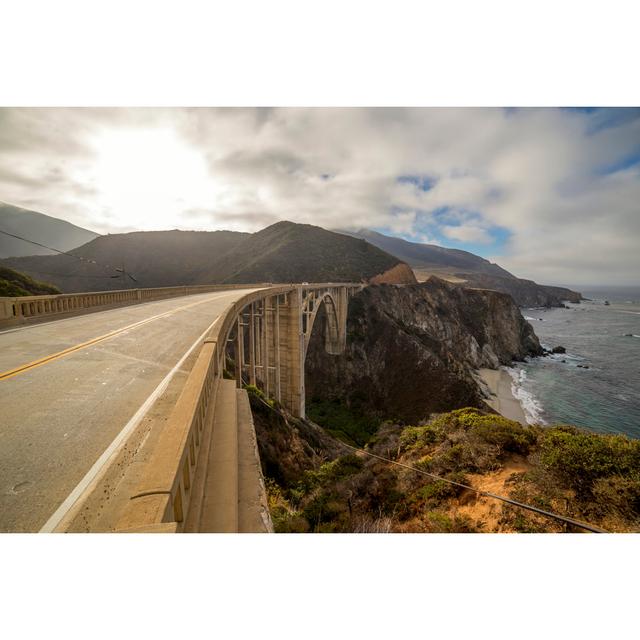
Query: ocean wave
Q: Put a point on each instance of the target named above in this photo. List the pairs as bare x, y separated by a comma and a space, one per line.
530, 404
536, 319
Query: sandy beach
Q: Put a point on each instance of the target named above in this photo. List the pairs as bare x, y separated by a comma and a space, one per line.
497, 384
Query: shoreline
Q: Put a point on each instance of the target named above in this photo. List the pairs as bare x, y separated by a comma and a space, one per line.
496, 383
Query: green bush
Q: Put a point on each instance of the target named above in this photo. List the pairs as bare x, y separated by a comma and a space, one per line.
618, 495
507, 434
415, 437
581, 458
439, 522
330, 472
14, 284
343, 422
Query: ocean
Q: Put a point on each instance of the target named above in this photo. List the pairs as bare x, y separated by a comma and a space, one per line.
596, 383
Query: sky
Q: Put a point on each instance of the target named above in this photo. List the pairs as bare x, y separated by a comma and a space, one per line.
550, 194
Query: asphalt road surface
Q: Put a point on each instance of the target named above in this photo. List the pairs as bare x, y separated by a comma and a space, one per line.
69, 387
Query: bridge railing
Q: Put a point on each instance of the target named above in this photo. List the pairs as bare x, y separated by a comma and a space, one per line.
23, 308
169, 486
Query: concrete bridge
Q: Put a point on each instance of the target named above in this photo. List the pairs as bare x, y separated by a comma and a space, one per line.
196, 466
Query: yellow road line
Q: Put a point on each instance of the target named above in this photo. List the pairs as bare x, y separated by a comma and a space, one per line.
65, 352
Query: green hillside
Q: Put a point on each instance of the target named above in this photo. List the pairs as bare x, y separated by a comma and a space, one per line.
289, 252
14, 283
283, 252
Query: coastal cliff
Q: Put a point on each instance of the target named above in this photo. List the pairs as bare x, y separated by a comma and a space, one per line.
526, 293
412, 350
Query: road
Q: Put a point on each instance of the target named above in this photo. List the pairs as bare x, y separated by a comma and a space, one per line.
68, 388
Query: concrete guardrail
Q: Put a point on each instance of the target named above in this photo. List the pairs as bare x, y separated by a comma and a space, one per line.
22, 309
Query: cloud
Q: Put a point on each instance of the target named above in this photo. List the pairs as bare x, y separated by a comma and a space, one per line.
563, 184
467, 233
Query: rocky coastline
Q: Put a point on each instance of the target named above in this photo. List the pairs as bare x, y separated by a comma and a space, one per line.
416, 349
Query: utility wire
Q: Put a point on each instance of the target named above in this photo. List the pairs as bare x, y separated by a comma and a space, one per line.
515, 503
64, 253
72, 255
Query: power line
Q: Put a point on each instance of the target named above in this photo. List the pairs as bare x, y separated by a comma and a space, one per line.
122, 271
70, 275
64, 253
549, 514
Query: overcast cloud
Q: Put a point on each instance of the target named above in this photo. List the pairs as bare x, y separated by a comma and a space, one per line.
550, 194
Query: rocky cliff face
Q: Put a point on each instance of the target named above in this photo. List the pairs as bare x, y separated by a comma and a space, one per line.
400, 274
411, 349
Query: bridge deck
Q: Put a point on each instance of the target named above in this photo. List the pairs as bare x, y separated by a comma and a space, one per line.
60, 415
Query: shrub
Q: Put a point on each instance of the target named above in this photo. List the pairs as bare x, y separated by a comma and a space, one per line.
330, 472
617, 494
342, 422
415, 437
507, 434
438, 522
581, 458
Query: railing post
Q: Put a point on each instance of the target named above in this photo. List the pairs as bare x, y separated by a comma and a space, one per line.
265, 345
239, 351
276, 347
252, 346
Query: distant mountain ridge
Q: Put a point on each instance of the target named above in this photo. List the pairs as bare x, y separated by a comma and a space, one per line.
429, 255
56, 233
467, 268
281, 253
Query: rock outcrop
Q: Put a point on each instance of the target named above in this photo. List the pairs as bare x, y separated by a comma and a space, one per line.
400, 274
411, 350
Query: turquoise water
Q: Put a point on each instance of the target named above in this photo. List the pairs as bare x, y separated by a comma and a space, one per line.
604, 397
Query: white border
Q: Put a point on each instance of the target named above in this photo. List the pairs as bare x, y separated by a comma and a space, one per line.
322, 54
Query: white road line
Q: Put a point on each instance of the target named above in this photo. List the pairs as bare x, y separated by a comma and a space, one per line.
101, 462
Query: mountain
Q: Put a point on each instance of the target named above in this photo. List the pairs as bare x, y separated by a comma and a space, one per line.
430, 256
283, 252
38, 227
154, 258
460, 267
289, 252
13, 284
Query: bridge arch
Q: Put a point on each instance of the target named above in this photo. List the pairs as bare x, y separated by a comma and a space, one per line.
334, 330
268, 334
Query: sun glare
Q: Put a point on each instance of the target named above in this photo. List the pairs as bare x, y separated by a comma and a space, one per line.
147, 179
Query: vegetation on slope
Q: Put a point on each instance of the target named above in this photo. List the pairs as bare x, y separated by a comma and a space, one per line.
14, 283
282, 253
287, 252
343, 422
585, 476
155, 258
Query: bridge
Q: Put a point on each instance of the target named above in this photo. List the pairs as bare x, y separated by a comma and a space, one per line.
126, 410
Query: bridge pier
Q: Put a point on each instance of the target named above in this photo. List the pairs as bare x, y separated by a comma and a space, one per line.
272, 355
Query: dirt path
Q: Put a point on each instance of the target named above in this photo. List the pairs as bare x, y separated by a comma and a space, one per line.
487, 510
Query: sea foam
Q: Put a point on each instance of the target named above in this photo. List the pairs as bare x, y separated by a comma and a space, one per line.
530, 404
